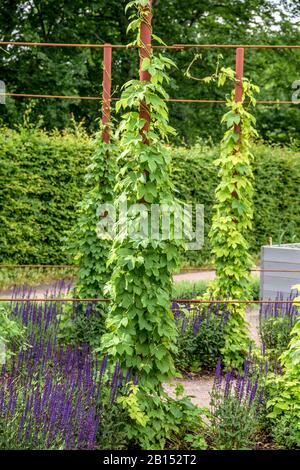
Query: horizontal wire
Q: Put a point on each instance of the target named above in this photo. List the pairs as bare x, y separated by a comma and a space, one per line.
60, 97
62, 266
178, 301
99, 98
165, 46
200, 270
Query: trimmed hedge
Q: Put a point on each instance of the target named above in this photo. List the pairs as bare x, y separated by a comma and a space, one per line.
276, 192
41, 181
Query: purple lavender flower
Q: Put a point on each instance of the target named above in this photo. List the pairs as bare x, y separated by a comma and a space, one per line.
218, 375
253, 392
228, 383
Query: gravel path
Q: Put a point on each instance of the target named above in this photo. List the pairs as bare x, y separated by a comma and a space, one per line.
193, 276
198, 388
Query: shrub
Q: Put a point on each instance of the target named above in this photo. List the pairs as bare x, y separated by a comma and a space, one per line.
45, 181
284, 391
284, 394
285, 432
201, 336
254, 287
276, 187
162, 422
82, 323
89, 248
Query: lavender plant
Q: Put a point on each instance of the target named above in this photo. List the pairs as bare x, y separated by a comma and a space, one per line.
235, 408
54, 396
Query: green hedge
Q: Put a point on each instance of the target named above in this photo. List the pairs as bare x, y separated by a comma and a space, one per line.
276, 192
41, 181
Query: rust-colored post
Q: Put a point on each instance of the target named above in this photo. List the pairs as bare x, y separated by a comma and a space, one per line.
107, 63
239, 72
145, 52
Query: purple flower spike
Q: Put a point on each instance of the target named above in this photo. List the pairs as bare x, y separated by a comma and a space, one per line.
218, 375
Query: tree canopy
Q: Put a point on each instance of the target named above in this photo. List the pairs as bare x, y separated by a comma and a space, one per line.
78, 71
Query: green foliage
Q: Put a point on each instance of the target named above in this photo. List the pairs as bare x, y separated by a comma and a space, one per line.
200, 350
285, 431
275, 335
140, 420
232, 217
91, 250
189, 289
42, 174
12, 333
276, 187
158, 421
141, 332
76, 71
254, 287
233, 209
82, 323
39, 203
113, 418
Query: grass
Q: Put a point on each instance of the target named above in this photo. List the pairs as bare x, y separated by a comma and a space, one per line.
192, 289
10, 277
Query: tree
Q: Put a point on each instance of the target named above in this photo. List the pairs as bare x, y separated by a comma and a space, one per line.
75, 71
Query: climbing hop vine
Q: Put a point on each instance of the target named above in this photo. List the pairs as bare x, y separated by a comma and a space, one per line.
92, 248
233, 212
141, 333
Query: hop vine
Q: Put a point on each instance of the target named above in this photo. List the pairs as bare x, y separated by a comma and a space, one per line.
141, 331
91, 250
233, 213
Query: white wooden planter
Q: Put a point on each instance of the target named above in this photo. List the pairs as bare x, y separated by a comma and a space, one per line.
281, 257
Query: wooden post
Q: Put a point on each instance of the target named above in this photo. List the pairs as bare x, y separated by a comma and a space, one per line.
145, 52
239, 73
107, 64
